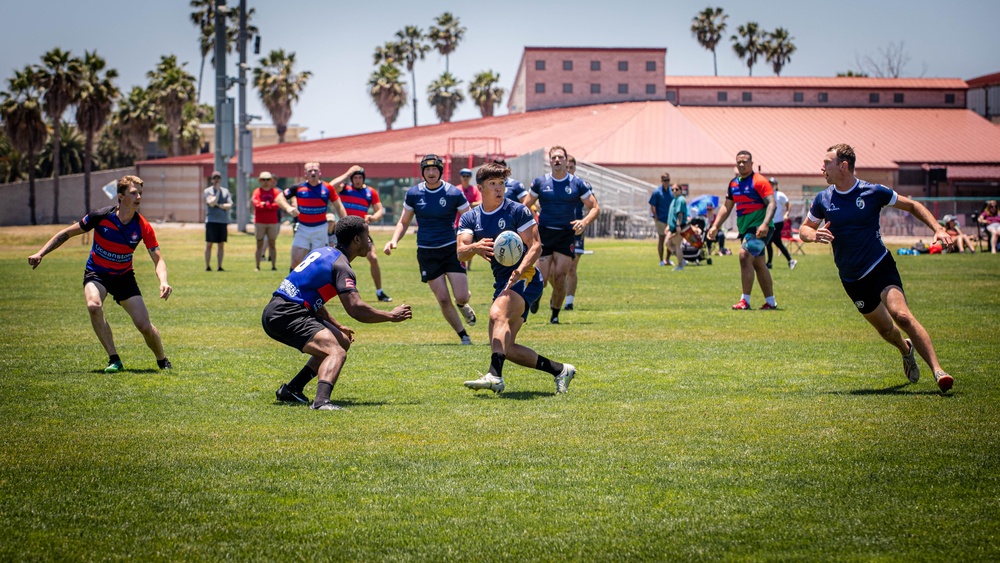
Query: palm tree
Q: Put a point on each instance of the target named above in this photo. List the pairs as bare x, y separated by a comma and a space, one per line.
413, 47
279, 86
171, 88
752, 46
11, 162
21, 111
72, 152
203, 17
387, 92
391, 53
444, 95
60, 76
446, 35
93, 108
190, 135
134, 121
708, 27
778, 49
485, 93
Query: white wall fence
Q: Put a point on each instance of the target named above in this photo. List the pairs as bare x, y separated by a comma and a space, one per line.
15, 210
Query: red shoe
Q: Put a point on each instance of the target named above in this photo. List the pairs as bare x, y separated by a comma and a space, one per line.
769, 307
742, 306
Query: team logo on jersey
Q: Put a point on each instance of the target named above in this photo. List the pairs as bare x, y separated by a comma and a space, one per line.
443, 202
859, 304
501, 223
833, 207
318, 304
420, 202
860, 203
569, 190
135, 237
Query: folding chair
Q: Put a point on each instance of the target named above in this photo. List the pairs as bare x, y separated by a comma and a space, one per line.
981, 233
790, 237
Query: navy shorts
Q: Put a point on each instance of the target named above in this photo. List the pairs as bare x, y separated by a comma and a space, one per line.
557, 240
120, 287
867, 292
436, 262
530, 291
290, 323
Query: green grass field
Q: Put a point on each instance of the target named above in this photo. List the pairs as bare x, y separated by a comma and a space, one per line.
690, 432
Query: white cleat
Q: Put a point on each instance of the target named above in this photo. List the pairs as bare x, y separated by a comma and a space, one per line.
910, 367
469, 314
565, 376
488, 381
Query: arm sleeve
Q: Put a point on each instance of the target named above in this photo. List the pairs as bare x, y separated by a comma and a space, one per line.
148, 236
375, 198
816, 211
343, 278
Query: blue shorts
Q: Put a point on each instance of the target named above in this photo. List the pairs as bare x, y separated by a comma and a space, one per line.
530, 291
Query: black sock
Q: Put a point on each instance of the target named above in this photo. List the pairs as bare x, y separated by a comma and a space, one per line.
496, 364
305, 375
323, 390
547, 365
114, 358
462, 333
555, 313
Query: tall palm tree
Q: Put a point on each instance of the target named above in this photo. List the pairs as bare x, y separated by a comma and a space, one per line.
413, 46
171, 88
778, 49
21, 112
444, 95
279, 86
93, 108
134, 121
203, 17
752, 45
60, 76
190, 135
708, 27
485, 92
446, 35
11, 162
387, 92
390, 53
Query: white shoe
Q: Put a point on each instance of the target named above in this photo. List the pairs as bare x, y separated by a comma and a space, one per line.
662, 263
466, 341
469, 314
792, 263
910, 367
565, 376
488, 381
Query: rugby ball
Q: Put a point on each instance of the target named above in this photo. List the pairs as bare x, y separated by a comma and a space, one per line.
508, 248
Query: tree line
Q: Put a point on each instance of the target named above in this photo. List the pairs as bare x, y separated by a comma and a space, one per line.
750, 42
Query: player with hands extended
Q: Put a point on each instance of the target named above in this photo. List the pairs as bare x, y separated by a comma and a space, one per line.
515, 287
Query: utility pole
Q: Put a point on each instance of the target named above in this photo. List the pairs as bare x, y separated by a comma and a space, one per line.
244, 164
221, 85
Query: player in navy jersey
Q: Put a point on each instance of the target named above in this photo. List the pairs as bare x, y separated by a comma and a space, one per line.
850, 209
117, 232
558, 193
515, 287
578, 243
312, 198
513, 190
358, 199
297, 314
435, 204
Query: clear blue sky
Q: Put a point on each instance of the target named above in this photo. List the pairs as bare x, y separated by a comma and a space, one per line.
335, 40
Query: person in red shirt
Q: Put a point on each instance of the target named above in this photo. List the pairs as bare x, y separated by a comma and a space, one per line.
267, 199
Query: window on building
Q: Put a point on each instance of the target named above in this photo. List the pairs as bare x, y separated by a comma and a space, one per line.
897, 98
650, 66
721, 96
671, 96
539, 65
623, 65
949, 98
747, 96
567, 65
823, 97
595, 88
799, 97
873, 98
595, 65
623, 88
539, 87
567, 88
650, 88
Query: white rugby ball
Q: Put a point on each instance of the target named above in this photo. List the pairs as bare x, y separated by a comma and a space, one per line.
508, 248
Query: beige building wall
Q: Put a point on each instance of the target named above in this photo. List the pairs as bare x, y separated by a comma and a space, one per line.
173, 193
263, 135
15, 210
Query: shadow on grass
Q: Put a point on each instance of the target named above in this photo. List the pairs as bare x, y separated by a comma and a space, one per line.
901, 389
515, 395
126, 371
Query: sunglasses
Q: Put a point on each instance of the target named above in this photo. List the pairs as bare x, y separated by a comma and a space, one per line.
216, 177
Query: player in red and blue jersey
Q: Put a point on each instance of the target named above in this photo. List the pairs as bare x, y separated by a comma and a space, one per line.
297, 314
358, 199
558, 194
850, 209
515, 287
117, 233
434, 203
312, 198
753, 198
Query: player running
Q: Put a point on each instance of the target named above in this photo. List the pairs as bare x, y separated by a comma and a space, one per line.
297, 315
117, 232
359, 198
312, 198
515, 287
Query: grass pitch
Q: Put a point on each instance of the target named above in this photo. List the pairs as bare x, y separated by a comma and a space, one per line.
690, 432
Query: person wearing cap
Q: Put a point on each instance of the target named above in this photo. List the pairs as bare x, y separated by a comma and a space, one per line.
267, 200
218, 202
781, 213
434, 203
312, 198
961, 242
359, 199
470, 192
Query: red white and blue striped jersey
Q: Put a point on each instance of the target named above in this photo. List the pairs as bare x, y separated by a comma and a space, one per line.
312, 202
357, 202
324, 274
114, 243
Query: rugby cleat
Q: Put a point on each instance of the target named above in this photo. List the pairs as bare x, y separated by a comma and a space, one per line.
792, 263
286, 394
468, 313
164, 364
466, 341
114, 367
568, 307
768, 307
742, 306
383, 296
565, 376
488, 381
327, 406
534, 305
910, 367
944, 380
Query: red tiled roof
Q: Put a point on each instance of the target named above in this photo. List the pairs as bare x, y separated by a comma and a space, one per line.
853, 82
973, 172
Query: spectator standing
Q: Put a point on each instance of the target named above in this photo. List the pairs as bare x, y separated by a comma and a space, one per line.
267, 200
676, 223
218, 202
659, 209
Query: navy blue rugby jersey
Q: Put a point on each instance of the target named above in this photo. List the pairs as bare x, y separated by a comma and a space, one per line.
558, 199
854, 222
435, 211
510, 216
